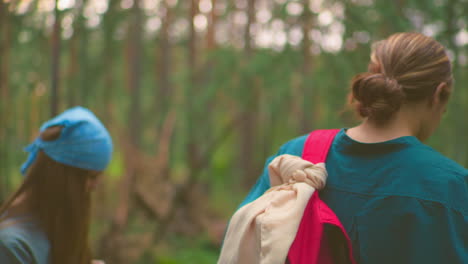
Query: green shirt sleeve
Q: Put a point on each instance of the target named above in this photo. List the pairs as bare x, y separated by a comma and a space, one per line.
292, 147
409, 230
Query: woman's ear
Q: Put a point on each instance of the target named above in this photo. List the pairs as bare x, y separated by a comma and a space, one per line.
441, 94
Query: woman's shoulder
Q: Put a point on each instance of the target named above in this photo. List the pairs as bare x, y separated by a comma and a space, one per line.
11, 231
436, 177
294, 146
14, 232
23, 242
438, 160
14, 246
427, 160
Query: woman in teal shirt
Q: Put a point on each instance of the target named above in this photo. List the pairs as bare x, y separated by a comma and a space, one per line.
399, 200
46, 221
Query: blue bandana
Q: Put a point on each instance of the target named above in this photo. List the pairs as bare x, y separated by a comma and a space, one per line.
83, 143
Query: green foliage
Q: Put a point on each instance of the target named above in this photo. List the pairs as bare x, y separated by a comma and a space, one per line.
116, 167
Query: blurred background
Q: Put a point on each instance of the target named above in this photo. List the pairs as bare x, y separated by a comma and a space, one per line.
197, 94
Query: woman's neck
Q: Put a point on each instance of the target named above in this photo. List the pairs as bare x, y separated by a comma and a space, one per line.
402, 124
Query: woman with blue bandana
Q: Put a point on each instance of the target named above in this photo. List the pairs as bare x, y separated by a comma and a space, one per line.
46, 220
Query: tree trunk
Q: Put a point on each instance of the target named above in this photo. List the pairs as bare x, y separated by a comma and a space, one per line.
134, 59
457, 105
135, 74
72, 71
55, 69
192, 58
308, 93
85, 83
210, 34
109, 27
163, 99
114, 242
191, 115
250, 22
249, 112
77, 71
208, 66
5, 39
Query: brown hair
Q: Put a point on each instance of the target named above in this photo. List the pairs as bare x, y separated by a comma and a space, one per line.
404, 68
58, 200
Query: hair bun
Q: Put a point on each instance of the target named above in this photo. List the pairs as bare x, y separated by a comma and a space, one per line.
377, 96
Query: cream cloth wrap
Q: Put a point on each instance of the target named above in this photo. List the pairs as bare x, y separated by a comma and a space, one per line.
263, 230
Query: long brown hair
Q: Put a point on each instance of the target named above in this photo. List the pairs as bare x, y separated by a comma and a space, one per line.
58, 199
404, 68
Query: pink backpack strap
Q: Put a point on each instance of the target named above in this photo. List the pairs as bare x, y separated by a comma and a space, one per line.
307, 245
318, 144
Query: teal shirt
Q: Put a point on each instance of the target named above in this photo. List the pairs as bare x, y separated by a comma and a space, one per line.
23, 243
400, 201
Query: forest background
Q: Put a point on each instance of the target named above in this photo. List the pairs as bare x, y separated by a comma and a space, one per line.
197, 94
